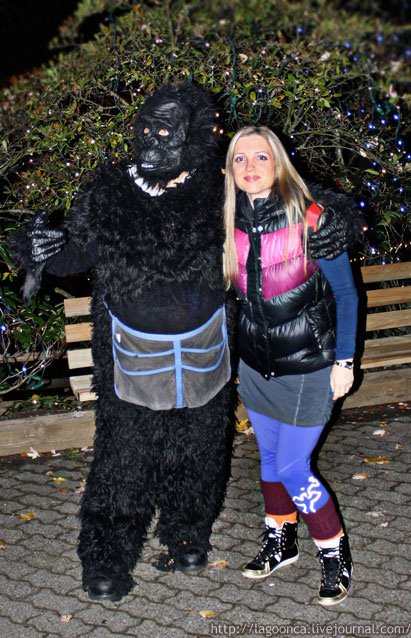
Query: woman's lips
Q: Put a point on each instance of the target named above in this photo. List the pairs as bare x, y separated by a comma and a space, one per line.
251, 178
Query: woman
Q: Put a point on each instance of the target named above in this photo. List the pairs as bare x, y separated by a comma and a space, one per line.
297, 341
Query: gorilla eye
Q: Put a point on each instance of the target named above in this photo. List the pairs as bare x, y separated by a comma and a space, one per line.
146, 130
164, 132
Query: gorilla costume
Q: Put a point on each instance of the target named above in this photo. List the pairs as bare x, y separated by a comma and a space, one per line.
153, 233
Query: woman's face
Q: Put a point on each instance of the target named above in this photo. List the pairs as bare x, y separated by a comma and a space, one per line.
253, 166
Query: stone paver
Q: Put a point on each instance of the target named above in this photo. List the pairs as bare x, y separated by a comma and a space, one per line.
40, 575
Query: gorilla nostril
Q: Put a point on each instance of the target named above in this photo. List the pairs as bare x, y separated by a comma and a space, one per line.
150, 141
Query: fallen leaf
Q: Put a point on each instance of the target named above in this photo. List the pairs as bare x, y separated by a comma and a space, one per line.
50, 473
33, 454
27, 516
242, 425
375, 514
3, 546
399, 446
218, 564
82, 487
59, 479
379, 432
54, 453
383, 524
360, 476
207, 614
66, 617
63, 489
376, 460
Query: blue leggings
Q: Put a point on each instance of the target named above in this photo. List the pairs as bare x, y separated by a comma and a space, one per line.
285, 452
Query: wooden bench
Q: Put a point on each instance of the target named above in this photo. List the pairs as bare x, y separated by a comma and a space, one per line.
387, 309
389, 384
79, 357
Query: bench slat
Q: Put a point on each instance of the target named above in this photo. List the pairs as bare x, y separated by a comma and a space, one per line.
388, 296
79, 358
77, 306
385, 320
78, 332
371, 274
81, 387
386, 352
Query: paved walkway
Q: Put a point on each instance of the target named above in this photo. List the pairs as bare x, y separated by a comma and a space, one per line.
40, 593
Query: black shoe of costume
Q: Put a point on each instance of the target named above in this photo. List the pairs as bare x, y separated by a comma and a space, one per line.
191, 559
279, 548
336, 566
101, 586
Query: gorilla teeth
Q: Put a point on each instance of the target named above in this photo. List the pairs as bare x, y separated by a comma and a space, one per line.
146, 165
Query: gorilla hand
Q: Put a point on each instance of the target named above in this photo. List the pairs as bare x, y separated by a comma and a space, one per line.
45, 241
332, 237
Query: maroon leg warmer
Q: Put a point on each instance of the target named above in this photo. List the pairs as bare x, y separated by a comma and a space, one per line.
276, 498
325, 523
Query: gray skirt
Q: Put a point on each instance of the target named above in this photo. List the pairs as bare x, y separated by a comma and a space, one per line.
296, 399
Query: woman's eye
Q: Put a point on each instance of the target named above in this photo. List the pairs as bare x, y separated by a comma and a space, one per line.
239, 159
262, 157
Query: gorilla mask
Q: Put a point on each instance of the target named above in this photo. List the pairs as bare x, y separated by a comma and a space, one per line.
174, 132
161, 133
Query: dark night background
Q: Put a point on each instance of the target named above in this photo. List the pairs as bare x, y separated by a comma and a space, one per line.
26, 27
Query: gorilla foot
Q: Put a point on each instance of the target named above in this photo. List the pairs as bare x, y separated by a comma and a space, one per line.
100, 585
191, 559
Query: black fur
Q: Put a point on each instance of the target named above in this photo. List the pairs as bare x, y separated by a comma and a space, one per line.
154, 254
157, 262
177, 460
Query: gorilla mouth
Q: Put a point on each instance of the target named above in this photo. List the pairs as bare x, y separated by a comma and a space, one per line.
146, 165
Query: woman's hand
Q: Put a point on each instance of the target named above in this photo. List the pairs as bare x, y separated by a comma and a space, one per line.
341, 381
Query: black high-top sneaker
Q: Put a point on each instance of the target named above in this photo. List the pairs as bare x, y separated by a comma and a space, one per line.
279, 548
336, 566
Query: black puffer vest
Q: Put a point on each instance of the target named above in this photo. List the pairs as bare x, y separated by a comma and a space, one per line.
287, 322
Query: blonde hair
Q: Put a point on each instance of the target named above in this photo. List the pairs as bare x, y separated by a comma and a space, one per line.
287, 183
